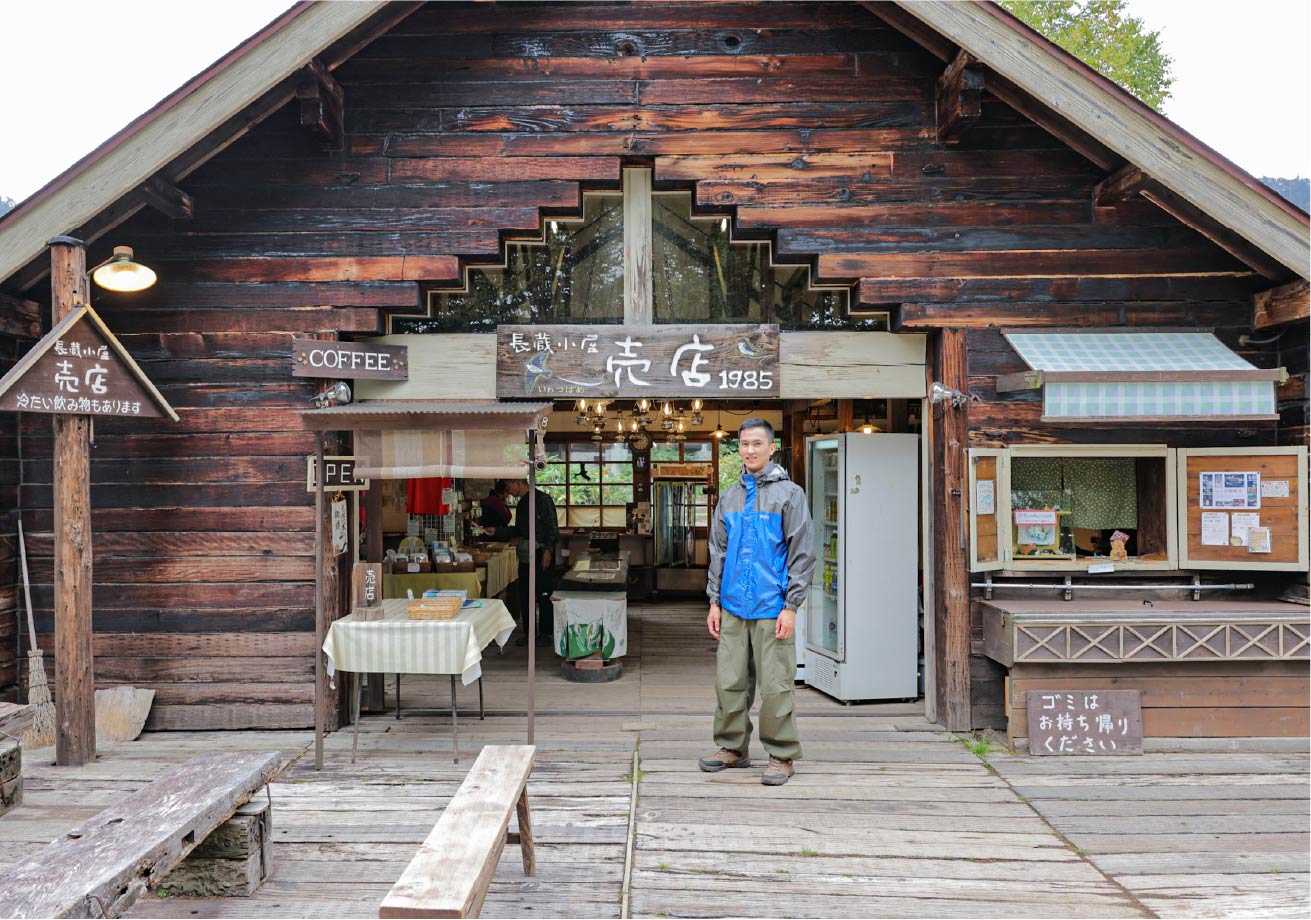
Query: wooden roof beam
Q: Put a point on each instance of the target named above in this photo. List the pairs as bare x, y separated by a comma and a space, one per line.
167, 198
1125, 183
321, 105
1229, 240
20, 318
1037, 112
1287, 303
960, 97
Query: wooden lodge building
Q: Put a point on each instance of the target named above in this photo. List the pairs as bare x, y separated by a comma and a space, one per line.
957, 229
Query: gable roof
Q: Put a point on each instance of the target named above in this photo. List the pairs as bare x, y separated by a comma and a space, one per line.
1070, 89
1124, 124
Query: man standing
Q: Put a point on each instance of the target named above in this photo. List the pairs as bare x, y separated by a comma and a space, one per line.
762, 555
548, 536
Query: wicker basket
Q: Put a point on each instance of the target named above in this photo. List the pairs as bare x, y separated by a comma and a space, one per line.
434, 608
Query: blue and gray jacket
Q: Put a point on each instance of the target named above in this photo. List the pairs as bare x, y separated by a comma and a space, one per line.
762, 546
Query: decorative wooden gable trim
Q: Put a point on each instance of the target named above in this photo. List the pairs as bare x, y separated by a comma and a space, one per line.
132, 158
1129, 128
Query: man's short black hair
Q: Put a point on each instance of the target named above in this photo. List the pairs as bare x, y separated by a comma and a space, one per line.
757, 423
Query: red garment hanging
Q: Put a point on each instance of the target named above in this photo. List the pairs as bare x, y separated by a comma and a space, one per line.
425, 495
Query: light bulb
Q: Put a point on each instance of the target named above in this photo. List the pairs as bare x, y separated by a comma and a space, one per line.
698, 404
644, 404
582, 405
667, 409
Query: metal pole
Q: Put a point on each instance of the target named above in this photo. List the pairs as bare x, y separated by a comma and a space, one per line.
531, 614
318, 600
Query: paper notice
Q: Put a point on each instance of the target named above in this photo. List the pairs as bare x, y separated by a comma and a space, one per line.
985, 497
1240, 524
1258, 540
1215, 528
1041, 517
1231, 490
1274, 488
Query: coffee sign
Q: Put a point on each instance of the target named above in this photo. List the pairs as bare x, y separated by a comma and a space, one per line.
349, 360
80, 368
603, 362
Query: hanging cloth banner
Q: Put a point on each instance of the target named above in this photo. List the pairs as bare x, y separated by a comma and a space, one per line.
408, 454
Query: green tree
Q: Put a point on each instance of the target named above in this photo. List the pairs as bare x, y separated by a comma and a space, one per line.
1104, 36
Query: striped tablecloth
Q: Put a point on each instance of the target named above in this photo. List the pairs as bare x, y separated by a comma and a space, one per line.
502, 570
398, 645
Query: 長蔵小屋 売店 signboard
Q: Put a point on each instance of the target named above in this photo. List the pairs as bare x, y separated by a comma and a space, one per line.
80, 368
607, 362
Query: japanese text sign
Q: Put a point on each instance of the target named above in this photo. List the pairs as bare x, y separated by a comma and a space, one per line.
1097, 722
634, 361
79, 368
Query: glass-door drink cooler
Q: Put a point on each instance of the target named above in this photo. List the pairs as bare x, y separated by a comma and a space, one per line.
862, 630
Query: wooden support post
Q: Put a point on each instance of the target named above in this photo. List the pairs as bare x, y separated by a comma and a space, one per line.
373, 692
638, 290
320, 687
75, 686
947, 429
960, 97
530, 615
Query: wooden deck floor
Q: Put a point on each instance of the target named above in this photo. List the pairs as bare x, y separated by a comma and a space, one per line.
886, 816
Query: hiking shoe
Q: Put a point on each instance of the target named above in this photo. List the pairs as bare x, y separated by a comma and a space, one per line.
723, 759
777, 772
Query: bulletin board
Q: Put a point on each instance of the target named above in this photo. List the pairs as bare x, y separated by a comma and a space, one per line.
1227, 492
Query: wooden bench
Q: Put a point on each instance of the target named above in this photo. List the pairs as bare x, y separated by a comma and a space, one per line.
100, 868
450, 874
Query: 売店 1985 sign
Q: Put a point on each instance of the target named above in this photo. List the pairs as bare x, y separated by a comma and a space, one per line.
634, 361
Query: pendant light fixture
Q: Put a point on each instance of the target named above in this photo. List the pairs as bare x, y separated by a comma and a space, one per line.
719, 433
120, 273
868, 427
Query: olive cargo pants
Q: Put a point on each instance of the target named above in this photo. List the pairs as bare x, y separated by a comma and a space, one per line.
750, 655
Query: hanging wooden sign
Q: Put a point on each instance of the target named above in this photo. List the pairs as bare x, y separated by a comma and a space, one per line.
80, 368
339, 475
713, 362
349, 360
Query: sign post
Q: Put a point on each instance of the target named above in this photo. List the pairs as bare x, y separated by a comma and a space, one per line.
75, 685
77, 371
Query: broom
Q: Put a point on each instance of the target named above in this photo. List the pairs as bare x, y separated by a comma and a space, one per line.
41, 733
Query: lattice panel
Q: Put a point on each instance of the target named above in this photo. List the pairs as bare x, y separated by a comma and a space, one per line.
1101, 642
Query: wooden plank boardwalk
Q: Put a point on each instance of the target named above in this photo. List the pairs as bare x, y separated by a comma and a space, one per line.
887, 816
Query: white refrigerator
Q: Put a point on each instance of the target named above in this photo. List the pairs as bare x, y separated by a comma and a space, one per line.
862, 629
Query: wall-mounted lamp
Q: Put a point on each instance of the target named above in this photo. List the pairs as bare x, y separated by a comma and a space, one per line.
120, 273
339, 394
938, 394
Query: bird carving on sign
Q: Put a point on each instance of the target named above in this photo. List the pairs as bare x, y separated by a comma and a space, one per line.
748, 349
537, 371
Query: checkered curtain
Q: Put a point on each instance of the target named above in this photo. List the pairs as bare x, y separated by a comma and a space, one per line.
416, 454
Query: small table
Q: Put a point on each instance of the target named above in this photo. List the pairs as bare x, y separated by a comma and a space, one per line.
398, 645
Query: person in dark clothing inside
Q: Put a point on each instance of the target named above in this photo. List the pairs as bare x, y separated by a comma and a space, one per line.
495, 512
548, 538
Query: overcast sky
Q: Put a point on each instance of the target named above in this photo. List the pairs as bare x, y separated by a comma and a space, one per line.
73, 72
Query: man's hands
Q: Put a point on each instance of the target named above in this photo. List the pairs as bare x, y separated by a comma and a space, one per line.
786, 624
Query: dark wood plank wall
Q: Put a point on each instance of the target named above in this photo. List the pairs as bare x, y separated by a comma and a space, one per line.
19, 329
815, 123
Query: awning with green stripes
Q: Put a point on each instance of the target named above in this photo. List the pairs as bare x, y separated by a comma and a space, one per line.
1095, 376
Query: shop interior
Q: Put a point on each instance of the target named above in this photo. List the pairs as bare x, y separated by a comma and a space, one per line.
634, 484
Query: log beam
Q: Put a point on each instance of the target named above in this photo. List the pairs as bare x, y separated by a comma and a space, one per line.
960, 97
20, 318
1285, 304
321, 104
75, 685
167, 198
1126, 182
